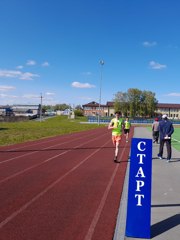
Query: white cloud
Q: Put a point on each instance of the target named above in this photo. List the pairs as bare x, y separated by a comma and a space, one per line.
17, 74
45, 64
155, 65
173, 94
28, 76
82, 85
149, 44
50, 94
30, 63
30, 96
9, 73
2, 95
20, 67
85, 98
36, 98
7, 96
6, 88
87, 73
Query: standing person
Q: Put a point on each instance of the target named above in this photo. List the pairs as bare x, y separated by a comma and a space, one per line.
155, 130
116, 125
166, 129
127, 126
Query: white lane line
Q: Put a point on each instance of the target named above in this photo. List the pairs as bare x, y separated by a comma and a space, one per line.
47, 160
41, 141
175, 140
21, 209
102, 203
30, 168
27, 154
28, 145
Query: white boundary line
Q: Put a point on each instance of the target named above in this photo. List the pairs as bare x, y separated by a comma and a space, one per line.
97, 215
121, 218
175, 140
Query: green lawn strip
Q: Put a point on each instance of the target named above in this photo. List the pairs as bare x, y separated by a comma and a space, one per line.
175, 137
11, 133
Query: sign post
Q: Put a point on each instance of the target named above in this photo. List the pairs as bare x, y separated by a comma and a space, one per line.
138, 220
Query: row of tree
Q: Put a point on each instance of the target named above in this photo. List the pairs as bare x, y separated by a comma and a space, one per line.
61, 107
133, 103
136, 103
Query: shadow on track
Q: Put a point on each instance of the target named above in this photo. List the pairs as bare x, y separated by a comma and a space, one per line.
58, 149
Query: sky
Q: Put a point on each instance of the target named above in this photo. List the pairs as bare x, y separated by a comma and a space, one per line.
54, 49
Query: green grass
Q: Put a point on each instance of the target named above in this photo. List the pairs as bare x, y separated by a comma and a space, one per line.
11, 133
175, 137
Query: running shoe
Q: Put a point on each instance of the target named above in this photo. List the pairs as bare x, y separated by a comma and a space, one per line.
159, 156
115, 159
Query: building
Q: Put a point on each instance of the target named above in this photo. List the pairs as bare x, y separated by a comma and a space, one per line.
94, 109
26, 110
6, 111
172, 110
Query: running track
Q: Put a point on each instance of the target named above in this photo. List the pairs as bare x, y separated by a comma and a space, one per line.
61, 188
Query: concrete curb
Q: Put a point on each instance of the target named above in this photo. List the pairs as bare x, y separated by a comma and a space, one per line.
165, 210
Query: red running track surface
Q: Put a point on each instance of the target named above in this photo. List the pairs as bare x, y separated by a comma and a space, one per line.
62, 188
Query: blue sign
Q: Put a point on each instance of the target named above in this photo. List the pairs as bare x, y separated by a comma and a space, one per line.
138, 221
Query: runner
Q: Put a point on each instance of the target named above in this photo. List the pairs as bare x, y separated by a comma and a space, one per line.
127, 126
116, 124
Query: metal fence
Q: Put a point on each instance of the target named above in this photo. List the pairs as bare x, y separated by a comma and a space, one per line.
92, 119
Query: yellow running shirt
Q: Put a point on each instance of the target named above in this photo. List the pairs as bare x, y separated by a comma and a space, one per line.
127, 124
117, 123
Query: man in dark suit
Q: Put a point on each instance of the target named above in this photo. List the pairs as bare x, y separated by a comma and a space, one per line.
166, 129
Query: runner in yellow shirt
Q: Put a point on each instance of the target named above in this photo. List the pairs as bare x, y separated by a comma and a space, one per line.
116, 124
127, 126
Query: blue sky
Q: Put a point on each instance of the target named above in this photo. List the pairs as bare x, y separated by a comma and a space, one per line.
54, 48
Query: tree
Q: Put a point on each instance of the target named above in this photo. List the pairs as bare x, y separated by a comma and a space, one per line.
121, 103
150, 103
62, 107
78, 107
47, 107
134, 96
136, 103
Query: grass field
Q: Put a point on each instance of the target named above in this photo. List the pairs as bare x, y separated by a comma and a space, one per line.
19, 132
175, 137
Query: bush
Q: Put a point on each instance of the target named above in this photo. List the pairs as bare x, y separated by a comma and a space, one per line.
78, 113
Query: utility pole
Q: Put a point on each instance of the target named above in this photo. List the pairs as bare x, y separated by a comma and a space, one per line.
41, 108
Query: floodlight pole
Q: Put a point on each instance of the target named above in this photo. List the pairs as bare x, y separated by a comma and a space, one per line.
100, 86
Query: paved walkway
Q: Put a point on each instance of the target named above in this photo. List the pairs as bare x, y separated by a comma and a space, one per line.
165, 210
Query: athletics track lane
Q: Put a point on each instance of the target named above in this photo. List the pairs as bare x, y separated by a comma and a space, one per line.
61, 188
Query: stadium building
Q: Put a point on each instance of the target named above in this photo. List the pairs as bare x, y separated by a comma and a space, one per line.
106, 110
